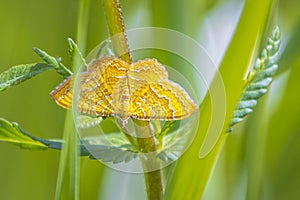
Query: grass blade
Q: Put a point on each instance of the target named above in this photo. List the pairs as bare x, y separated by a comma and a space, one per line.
190, 169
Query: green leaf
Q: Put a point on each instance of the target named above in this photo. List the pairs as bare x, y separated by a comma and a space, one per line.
10, 133
113, 154
20, 73
112, 147
55, 62
260, 78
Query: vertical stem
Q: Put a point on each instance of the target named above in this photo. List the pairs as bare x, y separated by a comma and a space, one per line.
145, 139
116, 29
81, 31
81, 36
147, 146
67, 186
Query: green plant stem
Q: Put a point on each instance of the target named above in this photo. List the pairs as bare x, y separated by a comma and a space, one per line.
116, 29
151, 164
68, 175
145, 139
81, 32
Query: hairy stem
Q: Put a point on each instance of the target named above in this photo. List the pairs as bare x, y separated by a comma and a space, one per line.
116, 29
145, 139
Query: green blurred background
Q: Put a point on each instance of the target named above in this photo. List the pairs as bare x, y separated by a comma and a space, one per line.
261, 159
